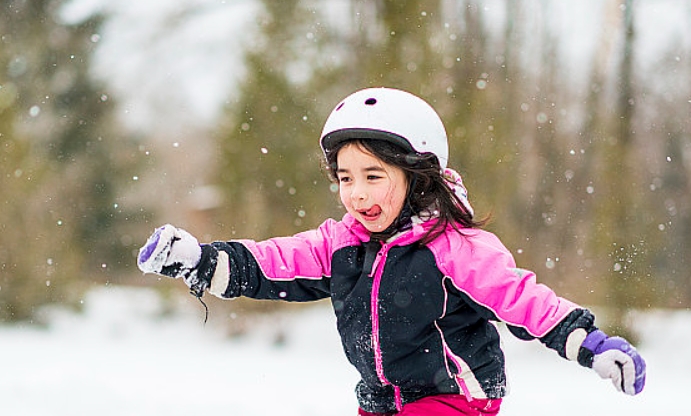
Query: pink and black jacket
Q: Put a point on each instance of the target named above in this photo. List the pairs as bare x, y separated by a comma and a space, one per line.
415, 320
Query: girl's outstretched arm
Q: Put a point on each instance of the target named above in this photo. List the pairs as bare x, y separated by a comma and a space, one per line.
285, 268
485, 274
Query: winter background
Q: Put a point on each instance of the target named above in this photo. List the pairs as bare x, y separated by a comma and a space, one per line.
129, 352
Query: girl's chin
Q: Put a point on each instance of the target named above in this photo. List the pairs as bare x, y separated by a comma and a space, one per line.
374, 227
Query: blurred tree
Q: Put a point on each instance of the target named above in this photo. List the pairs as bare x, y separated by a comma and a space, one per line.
14, 166
662, 152
394, 45
543, 216
619, 215
58, 221
269, 164
585, 167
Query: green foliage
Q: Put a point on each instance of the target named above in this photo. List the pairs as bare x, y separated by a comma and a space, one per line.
270, 167
62, 164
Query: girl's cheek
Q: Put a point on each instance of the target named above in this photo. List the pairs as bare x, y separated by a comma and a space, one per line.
344, 197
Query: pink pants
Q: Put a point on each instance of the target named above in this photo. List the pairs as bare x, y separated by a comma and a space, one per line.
445, 405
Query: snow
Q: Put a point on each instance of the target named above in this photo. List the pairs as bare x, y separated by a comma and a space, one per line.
131, 353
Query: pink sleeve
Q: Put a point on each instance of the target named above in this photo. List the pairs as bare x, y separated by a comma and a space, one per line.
305, 255
483, 269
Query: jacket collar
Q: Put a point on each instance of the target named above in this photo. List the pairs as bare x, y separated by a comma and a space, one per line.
409, 236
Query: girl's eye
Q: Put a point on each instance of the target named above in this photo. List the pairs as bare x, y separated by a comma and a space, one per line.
373, 177
344, 179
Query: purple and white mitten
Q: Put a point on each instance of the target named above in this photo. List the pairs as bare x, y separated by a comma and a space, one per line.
616, 359
173, 252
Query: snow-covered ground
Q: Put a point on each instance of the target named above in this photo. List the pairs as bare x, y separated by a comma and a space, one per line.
124, 355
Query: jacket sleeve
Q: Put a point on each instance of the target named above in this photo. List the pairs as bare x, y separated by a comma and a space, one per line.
566, 338
285, 268
485, 272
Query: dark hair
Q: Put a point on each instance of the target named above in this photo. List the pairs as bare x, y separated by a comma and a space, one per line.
427, 191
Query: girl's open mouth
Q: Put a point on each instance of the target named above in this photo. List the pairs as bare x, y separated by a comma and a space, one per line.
371, 214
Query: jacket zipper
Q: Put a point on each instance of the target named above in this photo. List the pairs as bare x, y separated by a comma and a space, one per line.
376, 274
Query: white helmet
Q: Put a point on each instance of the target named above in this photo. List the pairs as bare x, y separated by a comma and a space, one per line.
387, 114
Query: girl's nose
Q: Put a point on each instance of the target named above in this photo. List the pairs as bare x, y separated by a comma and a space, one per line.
358, 195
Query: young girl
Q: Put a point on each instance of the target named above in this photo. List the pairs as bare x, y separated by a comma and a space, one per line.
414, 281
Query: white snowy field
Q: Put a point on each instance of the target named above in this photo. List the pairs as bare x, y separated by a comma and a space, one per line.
124, 356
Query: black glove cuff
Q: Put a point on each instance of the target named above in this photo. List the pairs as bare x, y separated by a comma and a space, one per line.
200, 278
585, 357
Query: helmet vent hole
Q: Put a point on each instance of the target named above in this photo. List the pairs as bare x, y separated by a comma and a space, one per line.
424, 142
371, 101
340, 106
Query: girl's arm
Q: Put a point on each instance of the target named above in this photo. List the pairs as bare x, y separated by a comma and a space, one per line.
485, 273
566, 337
285, 268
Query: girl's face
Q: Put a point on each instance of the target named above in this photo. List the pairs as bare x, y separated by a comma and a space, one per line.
372, 191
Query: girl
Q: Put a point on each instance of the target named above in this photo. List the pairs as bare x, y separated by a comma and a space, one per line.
414, 281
